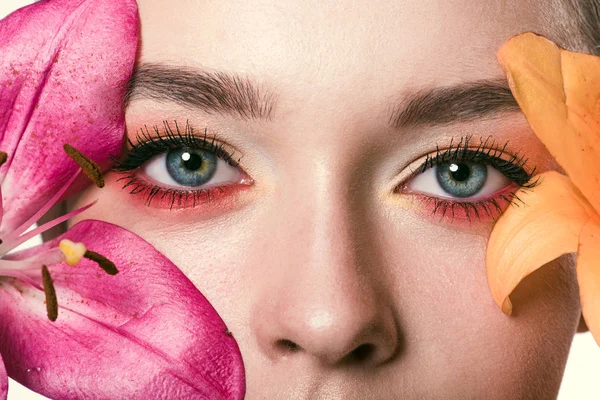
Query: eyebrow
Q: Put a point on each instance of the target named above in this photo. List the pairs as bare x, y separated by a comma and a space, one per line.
463, 102
212, 92
225, 93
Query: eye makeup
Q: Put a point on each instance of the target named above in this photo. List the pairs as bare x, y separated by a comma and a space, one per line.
194, 155
455, 166
458, 161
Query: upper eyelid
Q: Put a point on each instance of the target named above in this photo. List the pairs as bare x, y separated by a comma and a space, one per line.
475, 155
159, 141
515, 161
488, 146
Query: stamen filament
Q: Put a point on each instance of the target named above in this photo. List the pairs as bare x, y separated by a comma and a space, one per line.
20, 275
12, 236
50, 292
49, 257
48, 225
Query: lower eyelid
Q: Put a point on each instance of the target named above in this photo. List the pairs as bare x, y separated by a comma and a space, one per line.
466, 212
213, 199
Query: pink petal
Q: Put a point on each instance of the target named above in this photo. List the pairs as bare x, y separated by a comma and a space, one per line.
3, 381
146, 332
63, 74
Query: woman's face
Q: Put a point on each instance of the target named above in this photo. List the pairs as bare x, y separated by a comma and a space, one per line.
342, 268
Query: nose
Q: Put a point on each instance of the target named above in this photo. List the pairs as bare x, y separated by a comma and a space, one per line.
318, 301
332, 327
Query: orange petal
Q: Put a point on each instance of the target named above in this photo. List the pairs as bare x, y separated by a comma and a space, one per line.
519, 243
588, 275
559, 93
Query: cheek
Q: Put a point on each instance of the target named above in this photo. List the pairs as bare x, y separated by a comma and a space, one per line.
457, 332
432, 273
200, 242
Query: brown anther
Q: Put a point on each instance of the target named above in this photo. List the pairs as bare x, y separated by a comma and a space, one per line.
104, 263
3, 158
50, 292
91, 169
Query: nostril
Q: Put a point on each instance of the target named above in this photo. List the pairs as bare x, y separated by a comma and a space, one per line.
362, 352
288, 345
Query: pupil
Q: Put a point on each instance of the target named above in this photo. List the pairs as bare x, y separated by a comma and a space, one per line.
191, 161
460, 172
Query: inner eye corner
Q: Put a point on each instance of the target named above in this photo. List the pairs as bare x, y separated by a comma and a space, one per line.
400, 184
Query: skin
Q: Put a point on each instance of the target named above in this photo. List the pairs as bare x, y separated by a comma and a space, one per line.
320, 251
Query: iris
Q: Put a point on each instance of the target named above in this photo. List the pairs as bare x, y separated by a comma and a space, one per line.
191, 167
463, 179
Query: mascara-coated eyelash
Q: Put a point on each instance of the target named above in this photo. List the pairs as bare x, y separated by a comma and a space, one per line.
150, 145
512, 165
487, 152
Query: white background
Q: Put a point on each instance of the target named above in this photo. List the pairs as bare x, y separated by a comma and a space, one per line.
582, 376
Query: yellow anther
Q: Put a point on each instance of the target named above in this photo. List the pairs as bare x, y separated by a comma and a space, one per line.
73, 251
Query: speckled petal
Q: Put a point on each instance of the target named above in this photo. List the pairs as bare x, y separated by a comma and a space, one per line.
63, 73
559, 93
145, 333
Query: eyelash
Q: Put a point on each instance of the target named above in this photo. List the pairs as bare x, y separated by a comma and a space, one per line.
150, 145
512, 165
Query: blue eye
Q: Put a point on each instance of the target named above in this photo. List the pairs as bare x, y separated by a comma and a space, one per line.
177, 168
191, 167
464, 180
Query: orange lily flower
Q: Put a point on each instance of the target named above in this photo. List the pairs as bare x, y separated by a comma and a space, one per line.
559, 93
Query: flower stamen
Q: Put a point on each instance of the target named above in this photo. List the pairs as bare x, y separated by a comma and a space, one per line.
67, 251
50, 292
104, 263
90, 168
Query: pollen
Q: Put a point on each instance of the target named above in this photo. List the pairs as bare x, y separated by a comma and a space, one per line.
91, 169
73, 252
50, 292
104, 263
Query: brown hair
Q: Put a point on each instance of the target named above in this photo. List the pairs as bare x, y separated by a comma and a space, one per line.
583, 17
588, 18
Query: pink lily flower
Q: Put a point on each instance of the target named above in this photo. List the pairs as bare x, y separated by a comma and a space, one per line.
141, 330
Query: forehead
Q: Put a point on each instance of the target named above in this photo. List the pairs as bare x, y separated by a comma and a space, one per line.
355, 40
333, 35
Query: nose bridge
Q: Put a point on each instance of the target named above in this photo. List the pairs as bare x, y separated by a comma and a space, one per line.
328, 243
323, 303
321, 218
329, 223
